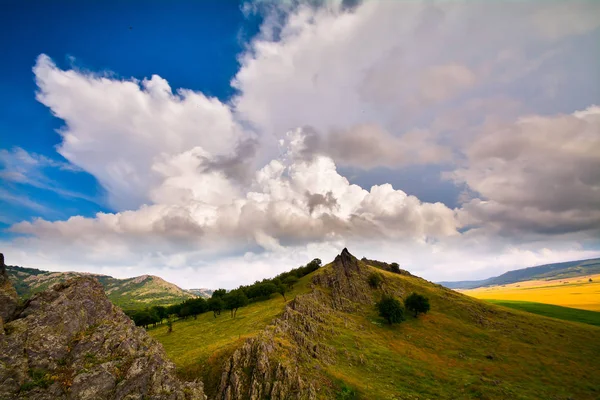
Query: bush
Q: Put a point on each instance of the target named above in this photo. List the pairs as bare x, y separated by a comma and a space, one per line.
375, 280
391, 309
347, 393
395, 268
417, 303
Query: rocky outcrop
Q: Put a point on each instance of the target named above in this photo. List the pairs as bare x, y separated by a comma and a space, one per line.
267, 365
71, 342
347, 280
8, 294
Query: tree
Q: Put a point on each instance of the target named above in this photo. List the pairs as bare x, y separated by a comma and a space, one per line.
196, 306
391, 309
185, 312
170, 318
161, 311
395, 268
219, 293
290, 281
417, 303
234, 300
282, 290
590, 280
375, 280
216, 305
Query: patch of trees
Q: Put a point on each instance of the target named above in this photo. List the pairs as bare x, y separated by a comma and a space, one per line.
222, 299
392, 310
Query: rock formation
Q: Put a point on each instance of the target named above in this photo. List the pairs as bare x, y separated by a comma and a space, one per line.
267, 365
71, 342
8, 295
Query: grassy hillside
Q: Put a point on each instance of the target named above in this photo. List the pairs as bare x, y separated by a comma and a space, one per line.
569, 269
133, 293
549, 310
576, 292
462, 349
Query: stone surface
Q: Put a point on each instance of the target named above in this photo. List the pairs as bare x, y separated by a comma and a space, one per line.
267, 365
8, 295
71, 342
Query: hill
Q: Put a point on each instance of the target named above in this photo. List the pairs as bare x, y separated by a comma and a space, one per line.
329, 342
202, 292
132, 293
562, 270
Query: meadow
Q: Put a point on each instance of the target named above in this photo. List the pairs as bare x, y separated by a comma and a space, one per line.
462, 349
549, 310
577, 292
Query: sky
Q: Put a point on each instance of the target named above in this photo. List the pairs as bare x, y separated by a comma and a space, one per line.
215, 143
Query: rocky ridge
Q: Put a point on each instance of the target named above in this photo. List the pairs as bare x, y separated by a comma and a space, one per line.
71, 342
267, 365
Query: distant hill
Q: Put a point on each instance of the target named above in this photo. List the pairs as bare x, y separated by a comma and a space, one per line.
202, 292
561, 270
132, 293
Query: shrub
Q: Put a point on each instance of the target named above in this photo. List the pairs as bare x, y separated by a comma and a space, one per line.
347, 393
417, 303
395, 267
391, 309
375, 280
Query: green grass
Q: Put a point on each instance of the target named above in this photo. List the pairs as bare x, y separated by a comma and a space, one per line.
549, 310
200, 346
462, 349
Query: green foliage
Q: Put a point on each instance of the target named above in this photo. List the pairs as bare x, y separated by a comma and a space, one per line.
391, 309
38, 378
170, 319
549, 310
375, 280
234, 300
417, 303
219, 293
290, 281
347, 393
282, 290
216, 305
395, 268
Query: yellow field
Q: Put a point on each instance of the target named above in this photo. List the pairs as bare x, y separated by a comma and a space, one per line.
575, 292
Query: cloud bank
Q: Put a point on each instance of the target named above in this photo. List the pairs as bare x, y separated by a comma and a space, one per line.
210, 193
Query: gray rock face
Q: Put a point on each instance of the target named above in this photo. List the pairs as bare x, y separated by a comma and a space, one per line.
8, 294
257, 370
71, 342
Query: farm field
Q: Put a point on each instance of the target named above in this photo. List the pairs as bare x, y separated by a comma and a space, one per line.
550, 310
577, 292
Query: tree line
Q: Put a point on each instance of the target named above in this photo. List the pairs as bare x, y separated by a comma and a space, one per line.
223, 300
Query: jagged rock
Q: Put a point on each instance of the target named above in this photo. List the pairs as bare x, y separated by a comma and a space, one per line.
348, 282
257, 371
71, 342
8, 294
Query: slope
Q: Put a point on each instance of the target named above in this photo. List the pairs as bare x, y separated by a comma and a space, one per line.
579, 292
569, 269
132, 293
330, 341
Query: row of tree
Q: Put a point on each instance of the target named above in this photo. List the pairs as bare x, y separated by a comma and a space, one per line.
222, 299
392, 309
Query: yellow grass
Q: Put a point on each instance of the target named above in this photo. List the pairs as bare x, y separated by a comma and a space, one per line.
575, 292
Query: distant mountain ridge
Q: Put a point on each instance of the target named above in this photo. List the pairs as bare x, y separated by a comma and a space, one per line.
568, 269
131, 293
202, 292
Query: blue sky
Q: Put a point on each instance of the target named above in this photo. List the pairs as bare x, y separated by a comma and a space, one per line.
218, 142
193, 44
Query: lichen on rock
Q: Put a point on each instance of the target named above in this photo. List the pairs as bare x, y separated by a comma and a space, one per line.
71, 342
